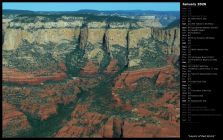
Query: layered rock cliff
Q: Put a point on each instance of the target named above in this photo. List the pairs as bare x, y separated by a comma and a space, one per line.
121, 44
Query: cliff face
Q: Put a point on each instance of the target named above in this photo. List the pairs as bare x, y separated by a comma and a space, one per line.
122, 44
171, 37
90, 79
83, 38
14, 37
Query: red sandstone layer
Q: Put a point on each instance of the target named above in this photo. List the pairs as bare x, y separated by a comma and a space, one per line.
16, 76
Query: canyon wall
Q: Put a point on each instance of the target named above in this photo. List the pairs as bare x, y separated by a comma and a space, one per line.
114, 41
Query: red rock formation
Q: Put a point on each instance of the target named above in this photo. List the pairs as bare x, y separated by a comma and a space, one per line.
13, 121
116, 98
112, 128
137, 130
82, 123
167, 106
112, 67
129, 78
46, 111
107, 130
89, 69
43, 103
16, 76
143, 112
165, 79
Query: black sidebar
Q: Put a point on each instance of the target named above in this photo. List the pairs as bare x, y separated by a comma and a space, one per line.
201, 69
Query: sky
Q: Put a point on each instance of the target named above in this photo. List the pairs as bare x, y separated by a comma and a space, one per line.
66, 6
